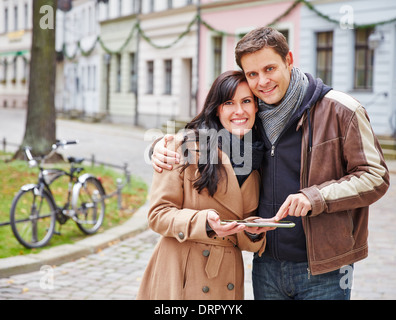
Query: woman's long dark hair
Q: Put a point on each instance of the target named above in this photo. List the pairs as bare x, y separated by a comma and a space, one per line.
223, 89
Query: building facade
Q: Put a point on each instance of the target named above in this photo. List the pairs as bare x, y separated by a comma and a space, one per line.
351, 45
15, 45
225, 22
77, 79
145, 62
167, 64
118, 49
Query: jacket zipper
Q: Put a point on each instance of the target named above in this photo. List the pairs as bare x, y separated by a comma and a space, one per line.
274, 244
273, 165
304, 183
273, 151
273, 147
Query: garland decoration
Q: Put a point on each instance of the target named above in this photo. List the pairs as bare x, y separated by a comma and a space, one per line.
181, 36
198, 19
138, 31
14, 57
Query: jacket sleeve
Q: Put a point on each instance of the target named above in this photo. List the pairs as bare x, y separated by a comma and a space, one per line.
367, 177
255, 243
167, 215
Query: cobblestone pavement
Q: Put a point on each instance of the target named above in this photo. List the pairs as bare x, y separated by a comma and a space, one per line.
115, 272
111, 274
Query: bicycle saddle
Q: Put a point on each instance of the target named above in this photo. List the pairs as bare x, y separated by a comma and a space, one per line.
75, 160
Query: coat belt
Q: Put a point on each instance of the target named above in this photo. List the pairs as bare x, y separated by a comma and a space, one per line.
216, 254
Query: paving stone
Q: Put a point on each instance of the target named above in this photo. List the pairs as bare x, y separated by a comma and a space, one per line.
115, 272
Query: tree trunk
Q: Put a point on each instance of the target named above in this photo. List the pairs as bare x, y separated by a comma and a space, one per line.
40, 130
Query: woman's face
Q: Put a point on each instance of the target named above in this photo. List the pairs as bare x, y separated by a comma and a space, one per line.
238, 115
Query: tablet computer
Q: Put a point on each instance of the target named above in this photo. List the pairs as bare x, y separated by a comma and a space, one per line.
262, 223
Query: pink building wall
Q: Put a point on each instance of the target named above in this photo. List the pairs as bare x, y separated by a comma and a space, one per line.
233, 19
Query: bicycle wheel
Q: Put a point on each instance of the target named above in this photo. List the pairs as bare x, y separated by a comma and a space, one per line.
33, 218
90, 206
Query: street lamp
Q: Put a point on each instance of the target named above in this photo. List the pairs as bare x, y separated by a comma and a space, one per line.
375, 39
65, 5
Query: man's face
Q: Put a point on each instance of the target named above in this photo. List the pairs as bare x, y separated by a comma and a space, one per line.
268, 75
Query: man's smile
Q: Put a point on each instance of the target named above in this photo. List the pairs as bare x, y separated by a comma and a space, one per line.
267, 91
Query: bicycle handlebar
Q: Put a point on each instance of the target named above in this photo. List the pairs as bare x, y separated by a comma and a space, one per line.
28, 153
56, 145
62, 143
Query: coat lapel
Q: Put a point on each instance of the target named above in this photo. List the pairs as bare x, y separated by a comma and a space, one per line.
229, 193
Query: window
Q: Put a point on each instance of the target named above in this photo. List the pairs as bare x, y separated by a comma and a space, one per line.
170, 4
15, 18
118, 75
5, 20
26, 17
26, 68
364, 60
83, 22
89, 79
83, 79
119, 8
168, 77
132, 73
15, 70
150, 77
90, 20
152, 4
324, 56
5, 67
217, 55
285, 32
136, 6
94, 78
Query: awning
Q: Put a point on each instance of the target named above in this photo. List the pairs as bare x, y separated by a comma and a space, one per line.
14, 53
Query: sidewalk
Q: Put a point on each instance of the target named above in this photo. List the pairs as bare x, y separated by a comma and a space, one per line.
110, 265
70, 252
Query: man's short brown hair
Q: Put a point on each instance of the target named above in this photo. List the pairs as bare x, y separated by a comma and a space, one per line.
260, 38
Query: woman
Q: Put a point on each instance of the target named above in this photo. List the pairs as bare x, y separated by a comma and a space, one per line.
198, 257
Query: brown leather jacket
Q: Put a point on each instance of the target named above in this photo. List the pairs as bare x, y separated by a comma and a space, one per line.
342, 172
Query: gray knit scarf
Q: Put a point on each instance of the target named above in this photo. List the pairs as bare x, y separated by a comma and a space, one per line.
275, 118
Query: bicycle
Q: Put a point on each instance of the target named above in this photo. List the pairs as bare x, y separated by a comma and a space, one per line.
34, 211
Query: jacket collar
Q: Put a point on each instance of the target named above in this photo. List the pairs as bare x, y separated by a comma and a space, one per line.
316, 91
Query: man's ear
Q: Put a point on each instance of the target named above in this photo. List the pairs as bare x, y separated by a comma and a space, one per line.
289, 60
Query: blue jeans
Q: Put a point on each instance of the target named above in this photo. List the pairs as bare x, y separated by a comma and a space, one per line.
284, 280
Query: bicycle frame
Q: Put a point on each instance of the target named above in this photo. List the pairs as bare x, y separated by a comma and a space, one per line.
44, 183
48, 176
84, 204
80, 183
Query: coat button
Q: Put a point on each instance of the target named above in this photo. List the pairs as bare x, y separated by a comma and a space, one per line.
205, 289
181, 235
206, 253
230, 286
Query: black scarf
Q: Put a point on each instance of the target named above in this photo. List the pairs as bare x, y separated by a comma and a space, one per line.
245, 154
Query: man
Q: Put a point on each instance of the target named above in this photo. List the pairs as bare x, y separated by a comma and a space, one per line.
323, 168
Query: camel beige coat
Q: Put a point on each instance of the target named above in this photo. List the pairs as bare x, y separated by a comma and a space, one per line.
187, 263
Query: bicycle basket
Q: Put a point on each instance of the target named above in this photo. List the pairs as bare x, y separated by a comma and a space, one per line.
50, 175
